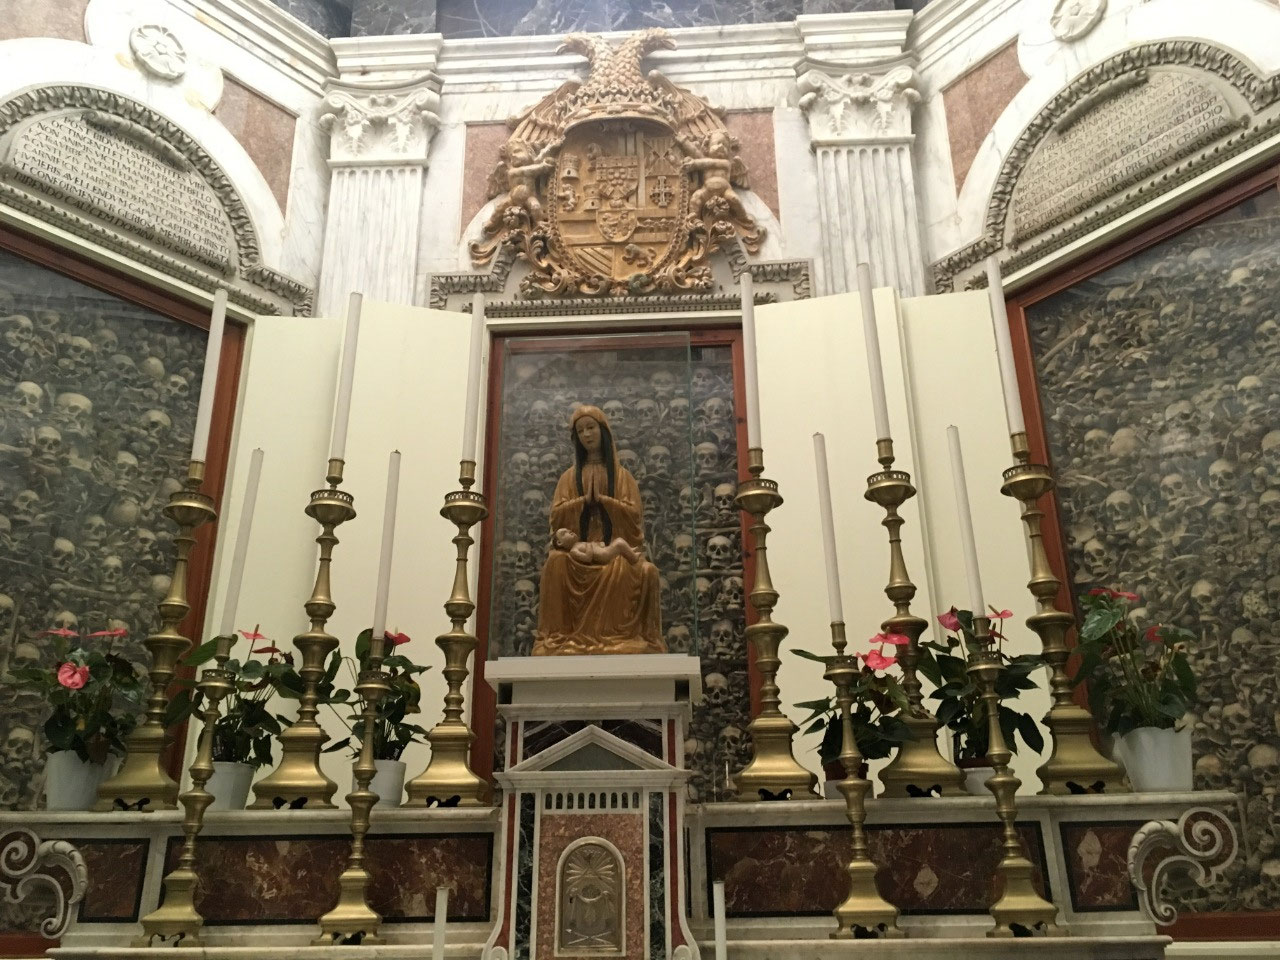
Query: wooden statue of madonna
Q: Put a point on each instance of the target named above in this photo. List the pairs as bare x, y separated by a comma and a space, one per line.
599, 594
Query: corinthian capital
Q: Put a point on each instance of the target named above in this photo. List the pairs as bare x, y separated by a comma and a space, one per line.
858, 106
381, 123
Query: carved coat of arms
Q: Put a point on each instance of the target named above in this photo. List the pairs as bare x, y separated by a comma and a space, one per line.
621, 184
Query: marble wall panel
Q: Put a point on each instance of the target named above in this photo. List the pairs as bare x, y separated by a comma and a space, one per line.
754, 130
484, 141
264, 130
524, 878
948, 868
1097, 871
329, 18
247, 880
626, 832
117, 870
380, 18
25, 18
974, 101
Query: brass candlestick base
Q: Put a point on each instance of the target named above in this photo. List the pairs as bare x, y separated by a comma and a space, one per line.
864, 913
177, 919
353, 920
1074, 765
448, 780
773, 773
143, 783
298, 780
1018, 910
918, 769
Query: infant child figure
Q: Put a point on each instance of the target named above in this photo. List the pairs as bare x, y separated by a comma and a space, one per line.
596, 554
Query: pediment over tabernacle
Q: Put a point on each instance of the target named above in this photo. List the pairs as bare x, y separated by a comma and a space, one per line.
591, 748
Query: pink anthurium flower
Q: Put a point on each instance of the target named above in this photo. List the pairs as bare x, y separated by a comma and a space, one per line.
1002, 614
949, 620
109, 633
877, 660
73, 677
893, 639
59, 632
253, 634
397, 638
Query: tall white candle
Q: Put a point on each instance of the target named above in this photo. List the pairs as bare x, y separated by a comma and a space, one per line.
441, 918
875, 369
342, 410
717, 911
1004, 348
241, 550
967, 542
749, 363
209, 378
388, 543
828, 528
473, 378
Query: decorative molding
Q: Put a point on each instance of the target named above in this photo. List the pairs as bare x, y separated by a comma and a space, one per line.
856, 107
381, 123
158, 50
1072, 19
165, 139
1096, 86
27, 861
1203, 842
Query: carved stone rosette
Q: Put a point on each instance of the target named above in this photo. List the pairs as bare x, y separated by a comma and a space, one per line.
617, 185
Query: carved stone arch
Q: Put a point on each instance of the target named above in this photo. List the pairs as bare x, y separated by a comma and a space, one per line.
1252, 114
590, 899
147, 132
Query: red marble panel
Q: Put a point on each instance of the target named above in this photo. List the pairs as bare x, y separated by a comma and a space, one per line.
974, 102
117, 869
624, 831
754, 130
53, 18
1097, 864
295, 879
947, 868
484, 140
264, 130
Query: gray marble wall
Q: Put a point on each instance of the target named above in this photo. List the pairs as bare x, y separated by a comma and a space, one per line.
330, 18
379, 18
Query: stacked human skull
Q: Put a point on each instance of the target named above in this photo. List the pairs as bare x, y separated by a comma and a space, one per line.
96, 413
673, 428
1161, 382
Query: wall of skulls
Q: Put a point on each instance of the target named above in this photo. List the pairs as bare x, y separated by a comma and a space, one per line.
1161, 384
97, 405
674, 426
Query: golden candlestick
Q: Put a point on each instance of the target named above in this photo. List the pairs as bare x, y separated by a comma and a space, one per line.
448, 779
298, 780
1074, 765
918, 769
177, 919
353, 920
143, 783
864, 913
1018, 909
773, 772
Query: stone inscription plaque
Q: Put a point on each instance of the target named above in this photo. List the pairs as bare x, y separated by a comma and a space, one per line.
134, 186
1147, 125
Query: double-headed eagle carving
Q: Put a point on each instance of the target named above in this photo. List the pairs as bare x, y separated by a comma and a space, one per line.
620, 184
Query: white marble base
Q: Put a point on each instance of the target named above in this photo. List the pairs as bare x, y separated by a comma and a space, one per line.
622, 678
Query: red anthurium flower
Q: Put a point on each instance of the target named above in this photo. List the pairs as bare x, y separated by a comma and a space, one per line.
109, 633
1125, 595
59, 632
878, 661
73, 677
1153, 633
893, 639
270, 650
253, 634
1114, 594
1001, 614
397, 638
949, 620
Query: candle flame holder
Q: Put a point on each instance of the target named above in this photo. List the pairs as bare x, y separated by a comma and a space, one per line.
773, 773
448, 780
298, 780
143, 783
1074, 766
918, 769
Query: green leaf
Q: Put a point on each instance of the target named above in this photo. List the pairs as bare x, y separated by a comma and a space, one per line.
827, 660
337, 745
201, 654
1030, 731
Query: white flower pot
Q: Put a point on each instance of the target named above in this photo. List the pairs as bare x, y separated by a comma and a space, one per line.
72, 784
387, 783
1156, 760
975, 780
229, 785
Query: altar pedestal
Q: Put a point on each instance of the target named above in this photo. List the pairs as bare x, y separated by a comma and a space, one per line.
593, 807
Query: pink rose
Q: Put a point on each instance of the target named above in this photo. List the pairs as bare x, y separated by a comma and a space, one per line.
950, 621
73, 677
878, 661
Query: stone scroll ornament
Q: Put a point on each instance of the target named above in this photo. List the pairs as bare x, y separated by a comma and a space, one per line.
1202, 843
28, 863
618, 185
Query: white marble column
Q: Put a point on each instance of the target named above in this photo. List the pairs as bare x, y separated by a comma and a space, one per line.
860, 129
380, 134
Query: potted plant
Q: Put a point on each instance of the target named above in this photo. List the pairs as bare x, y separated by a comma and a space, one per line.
392, 732
1141, 688
877, 699
95, 695
960, 708
243, 735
